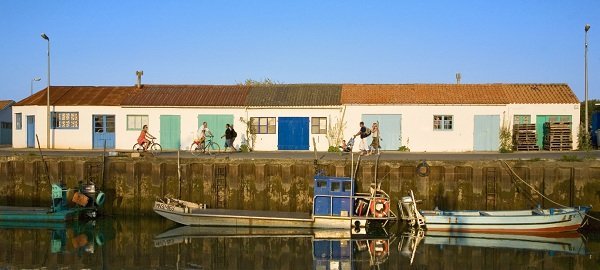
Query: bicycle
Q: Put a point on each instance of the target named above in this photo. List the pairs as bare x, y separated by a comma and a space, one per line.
209, 147
154, 147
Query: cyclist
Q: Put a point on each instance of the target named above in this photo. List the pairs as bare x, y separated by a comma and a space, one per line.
201, 135
145, 137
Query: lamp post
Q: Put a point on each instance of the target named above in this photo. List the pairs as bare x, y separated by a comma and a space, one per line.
44, 36
587, 28
36, 79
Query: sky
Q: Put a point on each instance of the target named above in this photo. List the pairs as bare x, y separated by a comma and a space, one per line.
103, 43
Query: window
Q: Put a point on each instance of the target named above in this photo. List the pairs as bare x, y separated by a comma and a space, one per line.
65, 120
18, 120
321, 184
442, 122
347, 186
522, 119
336, 186
136, 122
318, 125
262, 125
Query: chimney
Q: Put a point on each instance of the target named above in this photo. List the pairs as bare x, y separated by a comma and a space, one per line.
139, 75
458, 77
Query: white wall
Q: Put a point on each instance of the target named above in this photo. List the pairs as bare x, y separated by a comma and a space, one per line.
268, 142
189, 124
417, 123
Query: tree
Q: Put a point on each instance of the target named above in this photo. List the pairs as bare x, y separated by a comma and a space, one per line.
265, 81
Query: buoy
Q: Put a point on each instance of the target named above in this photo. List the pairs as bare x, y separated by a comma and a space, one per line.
100, 198
423, 169
380, 207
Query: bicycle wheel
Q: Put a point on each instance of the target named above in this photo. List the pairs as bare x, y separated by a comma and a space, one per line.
195, 149
138, 148
156, 149
213, 148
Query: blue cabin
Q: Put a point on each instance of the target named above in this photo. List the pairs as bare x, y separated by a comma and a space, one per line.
333, 196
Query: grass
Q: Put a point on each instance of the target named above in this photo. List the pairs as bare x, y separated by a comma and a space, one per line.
570, 158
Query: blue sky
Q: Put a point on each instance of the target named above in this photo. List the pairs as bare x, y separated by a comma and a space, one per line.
226, 42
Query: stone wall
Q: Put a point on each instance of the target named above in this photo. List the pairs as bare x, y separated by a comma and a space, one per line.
132, 185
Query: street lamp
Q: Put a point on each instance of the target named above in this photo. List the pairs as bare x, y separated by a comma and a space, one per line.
36, 79
48, 95
587, 28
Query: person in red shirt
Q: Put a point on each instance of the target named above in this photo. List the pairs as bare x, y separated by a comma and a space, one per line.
145, 137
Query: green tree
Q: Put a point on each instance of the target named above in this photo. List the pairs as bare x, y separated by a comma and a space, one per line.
265, 81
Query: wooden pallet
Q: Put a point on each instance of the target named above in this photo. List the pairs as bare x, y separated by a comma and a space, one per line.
527, 148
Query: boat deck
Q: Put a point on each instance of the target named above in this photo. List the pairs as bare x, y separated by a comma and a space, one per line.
254, 214
24, 209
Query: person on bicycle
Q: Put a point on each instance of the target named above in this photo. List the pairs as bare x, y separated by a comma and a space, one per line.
202, 133
145, 137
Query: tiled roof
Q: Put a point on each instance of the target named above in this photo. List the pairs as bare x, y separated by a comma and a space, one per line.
188, 95
457, 94
79, 96
5, 103
295, 95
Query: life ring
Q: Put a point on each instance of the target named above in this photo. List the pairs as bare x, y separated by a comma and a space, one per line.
100, 198
361, 207
423, 169
380, 207
379, 247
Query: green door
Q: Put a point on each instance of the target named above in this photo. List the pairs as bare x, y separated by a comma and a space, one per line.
539, 125
216, 125
170, 132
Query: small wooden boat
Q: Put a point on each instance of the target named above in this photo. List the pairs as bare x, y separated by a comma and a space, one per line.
336, 205
537, 220
86, 198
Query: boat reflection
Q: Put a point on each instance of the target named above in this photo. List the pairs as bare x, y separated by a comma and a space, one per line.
568, 243
331, 248
78, 237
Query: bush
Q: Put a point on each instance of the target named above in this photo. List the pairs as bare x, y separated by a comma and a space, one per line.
333, 149
244, 148
404, 148
570, 158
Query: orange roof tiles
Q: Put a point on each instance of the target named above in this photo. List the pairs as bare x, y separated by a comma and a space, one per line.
457, 94
79, 96
5, 103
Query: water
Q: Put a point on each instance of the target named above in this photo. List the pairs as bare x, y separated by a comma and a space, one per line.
159, 244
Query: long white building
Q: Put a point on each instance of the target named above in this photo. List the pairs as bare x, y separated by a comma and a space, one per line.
422, 117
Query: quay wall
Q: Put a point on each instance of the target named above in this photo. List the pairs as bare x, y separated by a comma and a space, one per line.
132, 184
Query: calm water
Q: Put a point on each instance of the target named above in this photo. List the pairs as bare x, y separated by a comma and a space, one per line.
158, 244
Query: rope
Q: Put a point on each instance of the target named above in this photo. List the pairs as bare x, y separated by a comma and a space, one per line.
536, 191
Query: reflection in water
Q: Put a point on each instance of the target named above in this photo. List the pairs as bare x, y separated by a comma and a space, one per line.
158, 244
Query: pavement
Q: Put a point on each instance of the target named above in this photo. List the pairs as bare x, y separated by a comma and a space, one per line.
310, 155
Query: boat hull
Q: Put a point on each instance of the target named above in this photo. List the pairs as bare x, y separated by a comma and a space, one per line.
247, 218
561, 220
17, 214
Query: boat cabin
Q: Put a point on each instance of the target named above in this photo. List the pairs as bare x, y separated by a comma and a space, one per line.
333, 196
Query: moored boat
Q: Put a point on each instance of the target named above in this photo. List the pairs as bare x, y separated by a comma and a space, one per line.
537, 220
335, 205
87, 202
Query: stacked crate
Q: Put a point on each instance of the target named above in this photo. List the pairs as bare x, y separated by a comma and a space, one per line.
558, 136
524, 137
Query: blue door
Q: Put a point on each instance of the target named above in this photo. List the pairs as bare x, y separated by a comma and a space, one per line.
486, 133
104, 131
293, 133
390, 129
31, 131
170, 132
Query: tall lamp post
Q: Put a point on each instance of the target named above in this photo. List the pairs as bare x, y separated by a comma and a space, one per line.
587, 28
48, 95
36, 79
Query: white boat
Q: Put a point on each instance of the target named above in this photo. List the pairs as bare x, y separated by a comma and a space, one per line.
335, 205
537, 220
